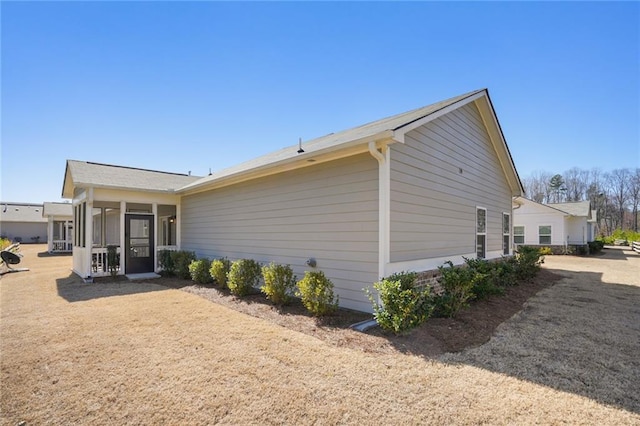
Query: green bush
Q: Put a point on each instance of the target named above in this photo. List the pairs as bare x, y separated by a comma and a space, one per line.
316, 292
606, 240
619, 235
243, 276
166, 262
506, 274
457, 284
199, 271
219, 271
181, 260
279, 283
403, 306
596, 246
528, 260
485, 276
113, 260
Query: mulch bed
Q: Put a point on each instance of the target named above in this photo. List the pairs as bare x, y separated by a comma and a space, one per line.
472, 326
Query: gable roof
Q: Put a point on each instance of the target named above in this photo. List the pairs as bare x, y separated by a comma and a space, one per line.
21, 212
352, 141
57, 209
85, 174
577, 208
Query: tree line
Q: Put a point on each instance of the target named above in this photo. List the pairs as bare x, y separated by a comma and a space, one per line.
615, 194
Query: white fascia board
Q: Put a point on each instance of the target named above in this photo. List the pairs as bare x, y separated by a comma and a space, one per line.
490, 120
399, 134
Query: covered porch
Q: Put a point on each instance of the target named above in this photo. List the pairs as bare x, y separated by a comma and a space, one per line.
59, 227
135, 228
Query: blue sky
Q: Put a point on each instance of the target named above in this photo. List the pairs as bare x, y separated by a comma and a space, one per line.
190, 86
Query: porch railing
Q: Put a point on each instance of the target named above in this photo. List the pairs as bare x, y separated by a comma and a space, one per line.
61, 246
99, 261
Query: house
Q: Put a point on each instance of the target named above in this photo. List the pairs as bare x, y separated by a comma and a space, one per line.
22, 222
555, 225
59, 227
134, 209
407, 192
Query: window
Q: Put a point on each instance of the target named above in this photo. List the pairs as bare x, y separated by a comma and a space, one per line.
481, 232
506, 233
518, 234
168, 236
544, 234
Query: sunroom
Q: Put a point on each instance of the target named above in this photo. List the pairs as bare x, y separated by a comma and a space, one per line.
132, 212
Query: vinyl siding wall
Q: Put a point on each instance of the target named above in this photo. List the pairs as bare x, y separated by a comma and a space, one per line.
328, 212
438, 176
532, 216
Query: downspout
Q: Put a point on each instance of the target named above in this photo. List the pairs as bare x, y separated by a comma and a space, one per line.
383, 205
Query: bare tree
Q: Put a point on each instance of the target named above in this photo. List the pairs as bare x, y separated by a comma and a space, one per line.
536, 188
618, 183
576, 181
634, 197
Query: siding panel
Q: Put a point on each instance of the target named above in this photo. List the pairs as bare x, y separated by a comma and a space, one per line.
443, 171
328, 212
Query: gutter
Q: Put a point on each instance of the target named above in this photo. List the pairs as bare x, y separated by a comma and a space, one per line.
293, 161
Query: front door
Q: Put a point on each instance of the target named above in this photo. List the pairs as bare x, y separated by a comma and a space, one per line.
139, 244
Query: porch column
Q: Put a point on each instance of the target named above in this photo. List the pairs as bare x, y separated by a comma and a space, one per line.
123, 257
67, 241
178, 225
50, 234
88, 231
154, 210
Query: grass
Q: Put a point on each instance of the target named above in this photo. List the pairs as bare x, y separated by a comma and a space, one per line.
141, 353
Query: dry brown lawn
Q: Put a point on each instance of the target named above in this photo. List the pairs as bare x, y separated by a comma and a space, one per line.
142, 353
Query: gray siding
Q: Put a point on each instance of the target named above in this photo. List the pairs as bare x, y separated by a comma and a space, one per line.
24, 231
432, 202
328, 212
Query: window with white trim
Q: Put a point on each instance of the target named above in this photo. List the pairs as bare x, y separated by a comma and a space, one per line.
481, 232
544, 234
518, 235
506, 233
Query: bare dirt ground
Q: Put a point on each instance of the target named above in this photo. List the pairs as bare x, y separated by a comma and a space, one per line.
142, 353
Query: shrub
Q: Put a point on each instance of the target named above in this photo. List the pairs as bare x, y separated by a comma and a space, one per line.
199, 271
316, 292
545, 251
243, 276
279, 283
596, 246
219, 271
113, 260
457, 284
485, 278
166, 262
506, 274
4, 243
528, 262
403, 306
181, 260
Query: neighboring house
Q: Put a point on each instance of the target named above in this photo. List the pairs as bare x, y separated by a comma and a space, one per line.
557, 225
59, 227
407, 192
22, 222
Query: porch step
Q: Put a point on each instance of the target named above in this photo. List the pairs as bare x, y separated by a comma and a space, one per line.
144, 276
